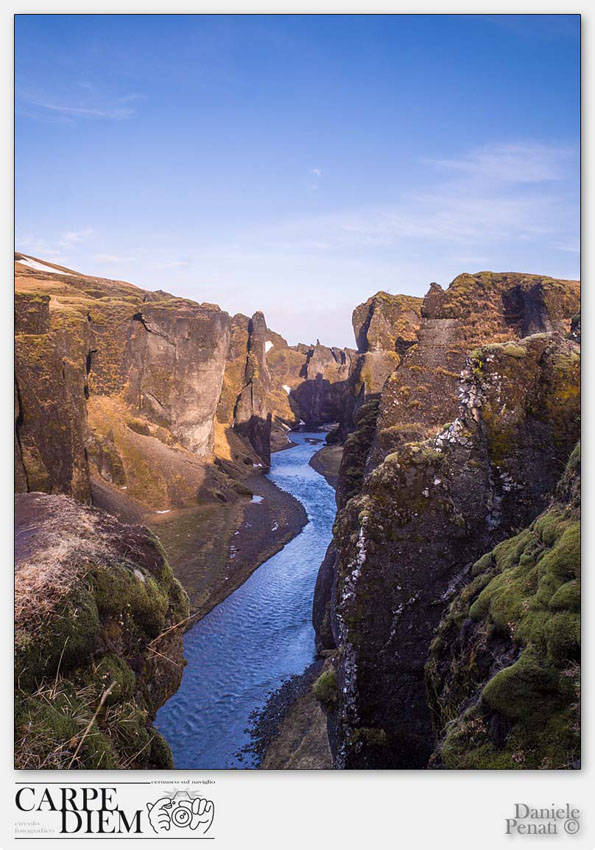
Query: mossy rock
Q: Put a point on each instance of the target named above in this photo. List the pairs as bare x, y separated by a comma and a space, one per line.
67, 640
89, 675
116, 674
520, 612
516, 691
133, 597
326, 690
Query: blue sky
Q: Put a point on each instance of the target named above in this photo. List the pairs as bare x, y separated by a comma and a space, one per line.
298, 164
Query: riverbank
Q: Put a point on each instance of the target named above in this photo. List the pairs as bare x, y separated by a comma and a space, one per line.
327, 462
290, 732
213, 548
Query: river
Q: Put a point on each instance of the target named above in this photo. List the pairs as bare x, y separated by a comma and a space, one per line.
256, 638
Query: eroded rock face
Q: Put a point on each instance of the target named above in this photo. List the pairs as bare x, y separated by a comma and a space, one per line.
420, 500
324, 387
503, 673
98, 628
122, 385
252, 416
310, 383
175, 358
423, 516
50, 412
385, 328
387, 323
475, 309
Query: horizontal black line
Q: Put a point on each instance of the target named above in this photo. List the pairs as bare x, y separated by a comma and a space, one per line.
82, 782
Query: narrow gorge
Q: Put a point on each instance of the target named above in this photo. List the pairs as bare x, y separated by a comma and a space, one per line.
180, 555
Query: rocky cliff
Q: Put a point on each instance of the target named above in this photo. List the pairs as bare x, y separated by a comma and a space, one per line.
385, 327
98, 638
503, 672
252, 414
118, 385
420, 500
157, 399
50, 391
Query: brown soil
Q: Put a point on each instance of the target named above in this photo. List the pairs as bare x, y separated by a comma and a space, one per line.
214, 547
290, 732
302, 743
327, 461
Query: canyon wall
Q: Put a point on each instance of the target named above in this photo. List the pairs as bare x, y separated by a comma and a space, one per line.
503, 672
450, 564
128, 395
463, 448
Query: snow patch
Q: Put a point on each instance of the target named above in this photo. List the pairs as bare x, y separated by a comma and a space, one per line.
162, 512
267, 346
41, 267
287, 389
257, 499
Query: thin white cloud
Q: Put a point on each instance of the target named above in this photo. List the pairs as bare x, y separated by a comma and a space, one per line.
112, 259
90, 105
572, 246
27, 244
511, 163
504, 194
73, 237
86, 112
315, 175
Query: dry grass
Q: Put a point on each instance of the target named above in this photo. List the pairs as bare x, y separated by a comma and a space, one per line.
47, 574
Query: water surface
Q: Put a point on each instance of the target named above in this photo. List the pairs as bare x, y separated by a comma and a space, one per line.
256, 638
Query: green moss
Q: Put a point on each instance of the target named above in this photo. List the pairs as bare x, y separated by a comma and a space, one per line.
161, 757
510, 349
140, 601
369, 736
357, 446
115, 672
523, 601
53, 723
67, 640
550, 526
567, 597
432, 456
326, 690
139, 426
516, 691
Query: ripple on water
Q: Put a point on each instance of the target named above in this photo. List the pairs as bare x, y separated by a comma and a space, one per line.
255, 639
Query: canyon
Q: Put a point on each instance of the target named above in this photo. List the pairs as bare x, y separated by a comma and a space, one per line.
448, 598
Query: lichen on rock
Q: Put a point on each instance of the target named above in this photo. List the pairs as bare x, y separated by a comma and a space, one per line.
430, 498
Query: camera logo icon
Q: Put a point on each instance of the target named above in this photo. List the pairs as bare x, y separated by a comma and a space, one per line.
168, 815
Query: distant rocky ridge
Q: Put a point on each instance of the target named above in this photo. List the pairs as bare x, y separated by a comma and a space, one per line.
462, 446
164, 400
